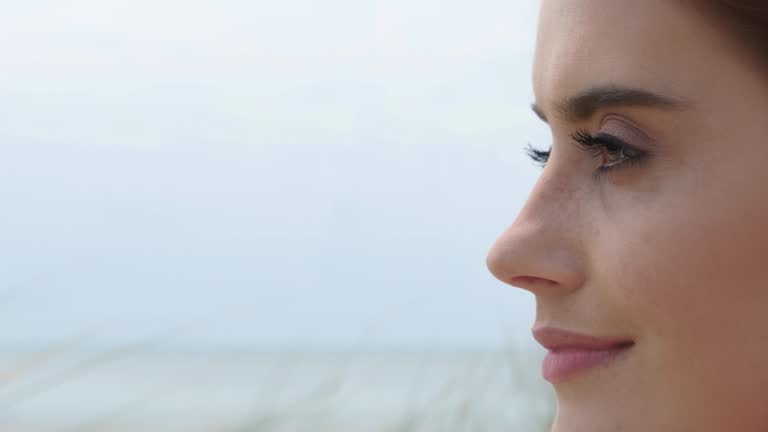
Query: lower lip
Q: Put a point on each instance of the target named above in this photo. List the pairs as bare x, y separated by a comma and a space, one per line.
564, 364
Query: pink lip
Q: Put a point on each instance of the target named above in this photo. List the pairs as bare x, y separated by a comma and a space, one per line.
571, 353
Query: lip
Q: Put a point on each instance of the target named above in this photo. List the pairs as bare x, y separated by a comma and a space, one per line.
571, 353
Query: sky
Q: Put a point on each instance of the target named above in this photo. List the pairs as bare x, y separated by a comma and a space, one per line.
259, 174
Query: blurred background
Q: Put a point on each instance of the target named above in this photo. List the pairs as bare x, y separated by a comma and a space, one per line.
265, 216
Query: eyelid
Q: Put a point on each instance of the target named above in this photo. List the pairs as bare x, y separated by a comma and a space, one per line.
625, 131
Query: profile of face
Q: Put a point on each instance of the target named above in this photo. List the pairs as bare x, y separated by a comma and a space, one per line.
649, 221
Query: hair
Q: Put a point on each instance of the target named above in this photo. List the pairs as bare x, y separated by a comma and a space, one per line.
747, 22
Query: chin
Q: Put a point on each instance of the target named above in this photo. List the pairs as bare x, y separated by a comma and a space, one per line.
602, 419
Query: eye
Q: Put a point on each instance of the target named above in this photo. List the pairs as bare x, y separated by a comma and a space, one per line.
615, 153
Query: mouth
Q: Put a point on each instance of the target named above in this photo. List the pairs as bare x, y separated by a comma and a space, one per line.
572, 353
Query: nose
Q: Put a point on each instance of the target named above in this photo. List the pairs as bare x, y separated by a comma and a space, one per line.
542, 251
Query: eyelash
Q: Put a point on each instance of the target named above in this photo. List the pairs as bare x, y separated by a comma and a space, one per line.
596, 144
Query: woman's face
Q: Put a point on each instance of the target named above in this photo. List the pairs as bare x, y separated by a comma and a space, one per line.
669, 248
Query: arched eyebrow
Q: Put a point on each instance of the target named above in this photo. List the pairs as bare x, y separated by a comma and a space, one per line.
584, 104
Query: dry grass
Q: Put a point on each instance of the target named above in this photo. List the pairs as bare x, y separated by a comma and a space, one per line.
468, 402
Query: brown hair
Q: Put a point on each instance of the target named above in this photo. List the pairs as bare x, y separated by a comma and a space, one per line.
747, 20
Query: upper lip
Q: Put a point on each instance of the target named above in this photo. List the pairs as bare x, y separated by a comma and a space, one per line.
555, 339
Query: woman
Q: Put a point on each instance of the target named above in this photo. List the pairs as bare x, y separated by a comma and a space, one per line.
645, 239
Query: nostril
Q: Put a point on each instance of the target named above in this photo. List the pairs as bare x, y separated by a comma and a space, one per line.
534, 257
522, 280
499, 265
529, 281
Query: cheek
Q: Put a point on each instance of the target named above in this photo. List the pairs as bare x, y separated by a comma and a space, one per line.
690, 277
692, 261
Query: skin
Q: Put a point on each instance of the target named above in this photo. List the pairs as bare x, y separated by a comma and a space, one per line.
672, 252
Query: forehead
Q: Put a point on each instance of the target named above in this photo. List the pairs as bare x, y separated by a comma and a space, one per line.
665, 46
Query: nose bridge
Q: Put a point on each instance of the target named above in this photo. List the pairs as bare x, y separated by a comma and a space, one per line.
551, 197
542, 247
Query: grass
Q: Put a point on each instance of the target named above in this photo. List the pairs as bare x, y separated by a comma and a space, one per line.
468, 400
485, 392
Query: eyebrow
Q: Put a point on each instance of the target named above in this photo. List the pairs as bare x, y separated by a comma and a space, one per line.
584, 104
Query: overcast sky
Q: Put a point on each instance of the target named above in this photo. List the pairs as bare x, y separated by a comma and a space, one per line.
271, 173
